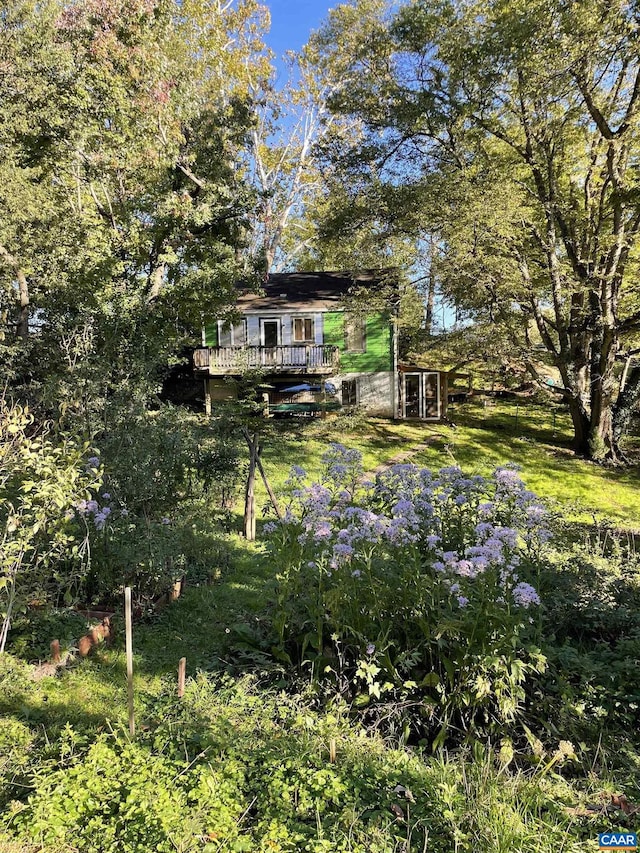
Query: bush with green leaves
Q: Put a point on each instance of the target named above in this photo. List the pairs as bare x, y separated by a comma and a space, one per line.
169, 479
412, 592
157, 460
16, 744
237, 767
591, 637
43, 553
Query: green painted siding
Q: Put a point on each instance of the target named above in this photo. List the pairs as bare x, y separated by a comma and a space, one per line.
378, 354
211, 334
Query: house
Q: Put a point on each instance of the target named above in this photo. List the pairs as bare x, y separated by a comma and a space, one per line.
317, 349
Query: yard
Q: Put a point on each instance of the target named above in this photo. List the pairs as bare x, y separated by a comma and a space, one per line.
484, 436
193, 777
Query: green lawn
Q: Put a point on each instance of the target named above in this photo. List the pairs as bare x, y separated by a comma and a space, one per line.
482, 438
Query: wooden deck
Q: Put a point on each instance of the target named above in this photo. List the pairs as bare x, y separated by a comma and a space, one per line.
294, 358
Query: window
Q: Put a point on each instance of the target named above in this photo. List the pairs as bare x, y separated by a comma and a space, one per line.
355, 339
232, 336
303, 330
350, 392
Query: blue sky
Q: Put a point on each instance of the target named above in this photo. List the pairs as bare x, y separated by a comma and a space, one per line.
293, 20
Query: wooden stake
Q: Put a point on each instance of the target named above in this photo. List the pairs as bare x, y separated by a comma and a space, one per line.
129, 647
270, 491
332, 750
55, 651
182, 669
254, 450
250, 498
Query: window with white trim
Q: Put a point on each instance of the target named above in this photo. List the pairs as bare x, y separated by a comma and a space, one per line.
232, 336
303, 332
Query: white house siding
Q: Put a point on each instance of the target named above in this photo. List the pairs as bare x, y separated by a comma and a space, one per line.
285, 330
375, 391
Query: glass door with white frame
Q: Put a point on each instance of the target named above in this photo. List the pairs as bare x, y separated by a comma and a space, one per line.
431, 400
269, 340
412, 397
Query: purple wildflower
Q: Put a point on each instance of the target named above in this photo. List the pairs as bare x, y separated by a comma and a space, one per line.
524, 595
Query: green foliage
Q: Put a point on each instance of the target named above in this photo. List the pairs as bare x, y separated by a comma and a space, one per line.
122, 199
16, 741
126, 797
240, 765
496, 131
32, 631
170, 478
195, 779
591, 632
40, 484
406, 593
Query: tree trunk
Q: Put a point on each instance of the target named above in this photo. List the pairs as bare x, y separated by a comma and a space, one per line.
602, 444
581, 425
626, 403
22, 326
157, 282
22, 323
431, 288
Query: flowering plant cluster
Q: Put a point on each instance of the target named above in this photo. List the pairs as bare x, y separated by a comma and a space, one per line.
126, 548
413, 578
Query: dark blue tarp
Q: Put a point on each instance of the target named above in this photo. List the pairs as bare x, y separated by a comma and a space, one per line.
329, 388
304, 387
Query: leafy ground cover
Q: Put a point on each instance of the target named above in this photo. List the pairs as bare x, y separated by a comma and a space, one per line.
194, 776
256, 758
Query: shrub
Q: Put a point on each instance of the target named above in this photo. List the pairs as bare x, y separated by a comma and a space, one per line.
166, 475
591, 637
15, 746
235, 767
40, 483
121, 796
413, 591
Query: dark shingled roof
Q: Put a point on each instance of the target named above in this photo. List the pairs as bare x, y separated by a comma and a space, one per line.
310, 290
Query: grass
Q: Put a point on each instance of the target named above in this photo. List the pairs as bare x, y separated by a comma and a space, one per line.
481, 439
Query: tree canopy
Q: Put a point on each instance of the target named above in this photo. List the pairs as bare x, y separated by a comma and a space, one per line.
509, 132
122, 205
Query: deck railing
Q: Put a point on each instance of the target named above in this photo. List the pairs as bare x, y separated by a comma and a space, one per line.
310, 357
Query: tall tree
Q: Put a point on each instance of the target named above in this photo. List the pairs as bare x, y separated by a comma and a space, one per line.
512, 128
290, 123
122, 204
